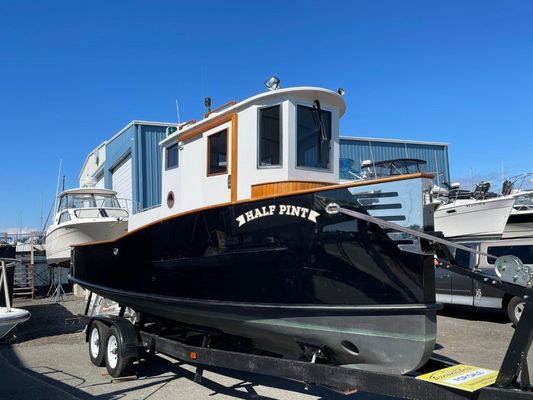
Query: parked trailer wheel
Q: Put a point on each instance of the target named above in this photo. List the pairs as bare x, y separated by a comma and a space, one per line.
117, 363
98, 333
515, 308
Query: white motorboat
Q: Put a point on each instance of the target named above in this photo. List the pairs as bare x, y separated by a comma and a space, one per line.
9, 316
459, 213
480, 218
83, 215
520, 223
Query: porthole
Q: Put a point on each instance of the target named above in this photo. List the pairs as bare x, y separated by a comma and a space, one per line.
170, 199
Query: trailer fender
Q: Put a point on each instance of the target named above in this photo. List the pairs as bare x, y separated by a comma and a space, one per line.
129, 334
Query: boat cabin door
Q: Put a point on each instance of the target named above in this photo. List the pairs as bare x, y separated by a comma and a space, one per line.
221, 168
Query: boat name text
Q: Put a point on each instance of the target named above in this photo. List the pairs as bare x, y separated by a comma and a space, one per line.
277, 209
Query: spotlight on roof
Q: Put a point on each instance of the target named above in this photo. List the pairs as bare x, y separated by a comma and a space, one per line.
272, 83
340, 91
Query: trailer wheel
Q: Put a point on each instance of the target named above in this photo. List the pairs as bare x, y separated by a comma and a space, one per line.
117, 363
515, 308
98, 333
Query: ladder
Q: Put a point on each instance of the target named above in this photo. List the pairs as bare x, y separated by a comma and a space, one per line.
24, 285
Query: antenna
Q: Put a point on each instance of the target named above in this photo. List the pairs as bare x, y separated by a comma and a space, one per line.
41, 211
58, 177
58, 181
178, 112
437, 166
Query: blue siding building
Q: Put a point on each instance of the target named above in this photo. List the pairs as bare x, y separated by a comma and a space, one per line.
130, 164
353, 150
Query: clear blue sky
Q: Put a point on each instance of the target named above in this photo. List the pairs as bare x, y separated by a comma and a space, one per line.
73, 73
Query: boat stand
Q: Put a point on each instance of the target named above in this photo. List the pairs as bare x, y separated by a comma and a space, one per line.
56, 288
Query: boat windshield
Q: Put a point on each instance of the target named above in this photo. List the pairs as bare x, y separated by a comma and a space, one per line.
400, 166
524, 201
88, 200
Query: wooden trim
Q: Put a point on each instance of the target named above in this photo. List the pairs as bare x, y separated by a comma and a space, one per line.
202, 129
277, 188
184, 124
346, 185
320, 189
234, 156
209, 154
225, 105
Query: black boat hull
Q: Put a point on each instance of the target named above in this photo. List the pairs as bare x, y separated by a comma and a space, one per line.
282, 273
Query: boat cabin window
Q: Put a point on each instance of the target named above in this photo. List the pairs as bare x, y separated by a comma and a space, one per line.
217, 151
524, 253
88, 200
270, 136
172, 156
313, 137
64, 217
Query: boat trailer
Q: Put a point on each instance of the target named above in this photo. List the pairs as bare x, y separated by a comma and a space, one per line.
131, 341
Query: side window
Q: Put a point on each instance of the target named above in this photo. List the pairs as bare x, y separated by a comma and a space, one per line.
462, 258
313, 137
63, 203
65, 216
524, 253
172, 156
269, 137
217, 152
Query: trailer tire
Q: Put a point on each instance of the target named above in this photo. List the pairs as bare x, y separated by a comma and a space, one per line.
117, 363
514, 309
98, 333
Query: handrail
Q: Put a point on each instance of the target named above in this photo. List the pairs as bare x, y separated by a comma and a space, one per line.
3, 280
333, 208
184, 124
225, 105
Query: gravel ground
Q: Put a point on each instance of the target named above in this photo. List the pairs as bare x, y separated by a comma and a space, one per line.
49, 360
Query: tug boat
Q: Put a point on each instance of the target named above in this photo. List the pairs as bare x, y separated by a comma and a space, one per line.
243, 244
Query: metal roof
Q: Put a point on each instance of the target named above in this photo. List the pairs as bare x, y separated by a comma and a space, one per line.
124, 129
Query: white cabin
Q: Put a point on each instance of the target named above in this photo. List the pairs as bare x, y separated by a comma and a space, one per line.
276, 142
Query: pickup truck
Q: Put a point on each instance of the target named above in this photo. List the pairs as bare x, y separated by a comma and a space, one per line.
452, 288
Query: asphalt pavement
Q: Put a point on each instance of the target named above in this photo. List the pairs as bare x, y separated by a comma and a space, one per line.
49, 360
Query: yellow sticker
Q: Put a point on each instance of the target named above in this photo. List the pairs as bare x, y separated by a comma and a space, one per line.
463, 377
